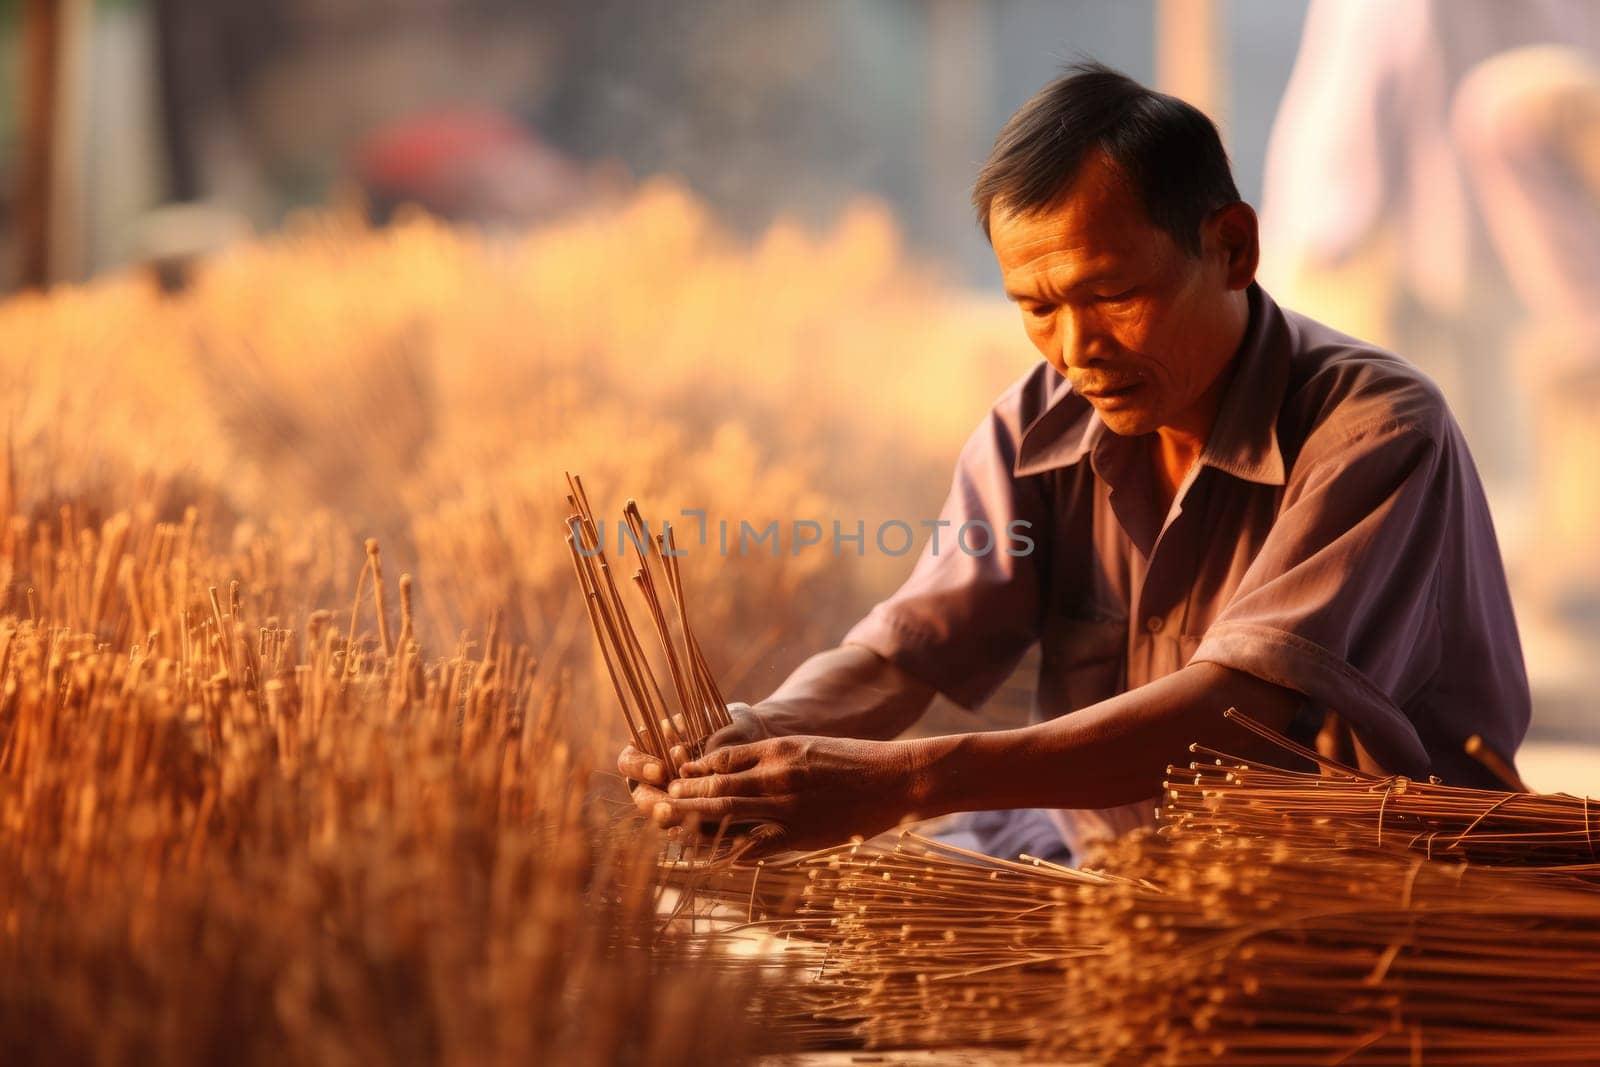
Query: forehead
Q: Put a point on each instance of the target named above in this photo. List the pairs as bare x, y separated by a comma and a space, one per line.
1097, 223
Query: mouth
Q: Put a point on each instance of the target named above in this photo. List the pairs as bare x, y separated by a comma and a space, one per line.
1112, 397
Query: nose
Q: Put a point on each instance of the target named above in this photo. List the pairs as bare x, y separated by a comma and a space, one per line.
1080, 342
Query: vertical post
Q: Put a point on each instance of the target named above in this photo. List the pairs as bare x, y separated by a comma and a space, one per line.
41, 54
68, 197
1192, 55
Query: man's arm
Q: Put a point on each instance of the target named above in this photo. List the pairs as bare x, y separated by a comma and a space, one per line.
849, 691
1114, 752
823, 790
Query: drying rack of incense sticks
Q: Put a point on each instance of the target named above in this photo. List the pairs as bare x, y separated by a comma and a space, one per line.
1272, 917
657, 727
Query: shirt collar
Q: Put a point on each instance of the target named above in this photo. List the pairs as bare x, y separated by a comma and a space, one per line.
1244, 439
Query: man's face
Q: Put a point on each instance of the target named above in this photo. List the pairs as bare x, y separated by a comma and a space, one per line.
1140, 328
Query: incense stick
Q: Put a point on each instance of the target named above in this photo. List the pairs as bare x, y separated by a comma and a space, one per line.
659, 728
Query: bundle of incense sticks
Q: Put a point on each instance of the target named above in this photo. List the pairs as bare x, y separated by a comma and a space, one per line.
653, 724
1285, 953
910, 942
1264, 922
1341, 806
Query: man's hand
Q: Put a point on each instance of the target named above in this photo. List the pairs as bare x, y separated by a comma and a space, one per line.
651, 775
821, 790
748, 725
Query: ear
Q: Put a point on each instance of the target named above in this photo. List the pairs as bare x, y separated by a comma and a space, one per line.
1233, 234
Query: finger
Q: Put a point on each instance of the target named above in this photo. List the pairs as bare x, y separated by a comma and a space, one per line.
740, 733
728, 735
724, 760
641, 766
711, 809
645, 799
681, 824
744, 784
672, 729
744, 728
665, 815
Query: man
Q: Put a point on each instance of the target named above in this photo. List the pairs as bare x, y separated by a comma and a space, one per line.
1230, 504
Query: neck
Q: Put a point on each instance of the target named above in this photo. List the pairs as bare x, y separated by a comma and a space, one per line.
1172, 460
1183, 438
1187, 431
1178, 444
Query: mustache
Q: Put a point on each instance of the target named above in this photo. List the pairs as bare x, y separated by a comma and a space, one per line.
1103, 382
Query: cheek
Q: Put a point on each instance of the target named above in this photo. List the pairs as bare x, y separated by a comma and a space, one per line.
1165, 338
1139, 331
1173, 329
1188, 367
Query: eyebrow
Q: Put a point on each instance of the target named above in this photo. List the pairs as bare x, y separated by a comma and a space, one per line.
1098, 276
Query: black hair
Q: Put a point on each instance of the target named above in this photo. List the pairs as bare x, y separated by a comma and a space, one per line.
1168, 150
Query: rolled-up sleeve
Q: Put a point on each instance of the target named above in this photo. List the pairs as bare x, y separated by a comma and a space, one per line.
965, 616
1341, 602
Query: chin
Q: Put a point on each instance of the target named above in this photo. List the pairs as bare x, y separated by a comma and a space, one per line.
1127, 423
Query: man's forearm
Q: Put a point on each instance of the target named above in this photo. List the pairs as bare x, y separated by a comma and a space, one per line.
1114, 752
849, 691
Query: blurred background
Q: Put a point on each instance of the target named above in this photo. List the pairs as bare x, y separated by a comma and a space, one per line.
396, 264
501, 111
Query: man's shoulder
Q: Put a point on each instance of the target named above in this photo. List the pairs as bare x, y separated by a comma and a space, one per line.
1341, 388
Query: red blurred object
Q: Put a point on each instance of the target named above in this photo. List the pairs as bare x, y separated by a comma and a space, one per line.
476, 165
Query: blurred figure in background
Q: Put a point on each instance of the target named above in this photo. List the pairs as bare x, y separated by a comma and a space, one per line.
1528, 125
1433, 180
476, 165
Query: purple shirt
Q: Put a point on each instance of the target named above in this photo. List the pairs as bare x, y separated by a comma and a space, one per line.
1333, 538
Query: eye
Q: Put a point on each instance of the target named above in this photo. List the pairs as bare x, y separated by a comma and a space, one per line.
1040, 311
1115, 298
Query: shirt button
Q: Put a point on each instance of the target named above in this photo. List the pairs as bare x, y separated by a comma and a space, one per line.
1154, 624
